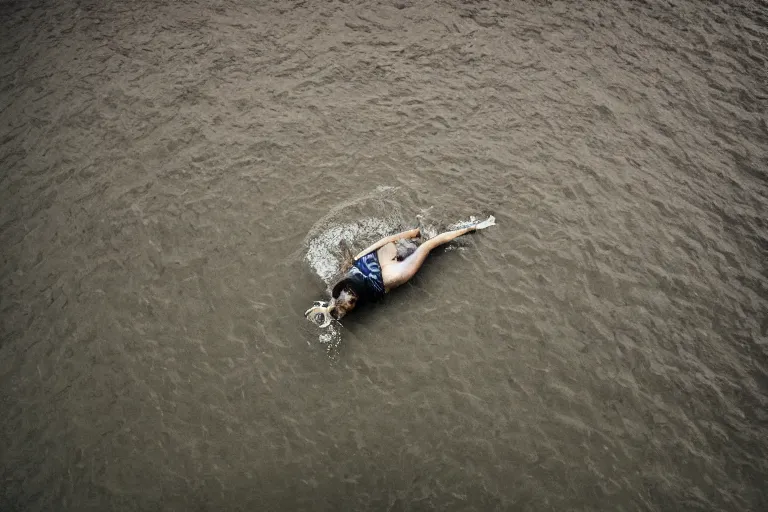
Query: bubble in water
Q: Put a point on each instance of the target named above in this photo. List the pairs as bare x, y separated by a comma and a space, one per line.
330, 339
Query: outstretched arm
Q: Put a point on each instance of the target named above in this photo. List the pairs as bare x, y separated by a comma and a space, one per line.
413, 233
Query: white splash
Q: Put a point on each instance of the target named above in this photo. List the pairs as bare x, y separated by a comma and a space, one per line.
323, 252
330, 340
490, 221
462, 223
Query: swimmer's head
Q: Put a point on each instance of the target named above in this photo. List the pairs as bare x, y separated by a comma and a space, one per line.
323, 313
343, 304
345, 297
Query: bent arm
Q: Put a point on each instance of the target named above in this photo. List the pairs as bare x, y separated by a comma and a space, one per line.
413, 233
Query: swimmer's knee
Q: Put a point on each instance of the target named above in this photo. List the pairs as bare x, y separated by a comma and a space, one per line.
399, 273
405, 248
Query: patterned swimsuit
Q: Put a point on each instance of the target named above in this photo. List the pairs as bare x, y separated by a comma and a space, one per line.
370, 269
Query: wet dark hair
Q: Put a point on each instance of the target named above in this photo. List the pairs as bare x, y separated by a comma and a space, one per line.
347, 257
351, 283
343, 304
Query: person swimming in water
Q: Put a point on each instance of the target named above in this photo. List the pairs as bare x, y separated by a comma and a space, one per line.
379, 269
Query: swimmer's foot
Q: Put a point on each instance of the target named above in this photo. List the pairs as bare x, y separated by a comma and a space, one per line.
490, 221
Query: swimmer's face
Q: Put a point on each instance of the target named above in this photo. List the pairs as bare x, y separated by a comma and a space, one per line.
342, 305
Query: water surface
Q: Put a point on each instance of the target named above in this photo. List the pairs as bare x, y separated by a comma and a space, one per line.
166, 164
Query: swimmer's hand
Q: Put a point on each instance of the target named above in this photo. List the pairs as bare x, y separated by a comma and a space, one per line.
319, 314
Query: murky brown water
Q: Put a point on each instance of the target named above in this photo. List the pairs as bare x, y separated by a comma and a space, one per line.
165, 164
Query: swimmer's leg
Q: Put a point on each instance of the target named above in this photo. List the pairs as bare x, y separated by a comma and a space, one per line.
399, 273
412, 233
405, 248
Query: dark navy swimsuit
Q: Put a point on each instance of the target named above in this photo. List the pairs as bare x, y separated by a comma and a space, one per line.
369, 267
364, 279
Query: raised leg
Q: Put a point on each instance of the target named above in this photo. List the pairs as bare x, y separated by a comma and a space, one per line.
399, 273
412, 233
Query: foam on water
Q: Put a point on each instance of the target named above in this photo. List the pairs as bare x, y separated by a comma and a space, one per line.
330, 338
323, 253
463, 223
